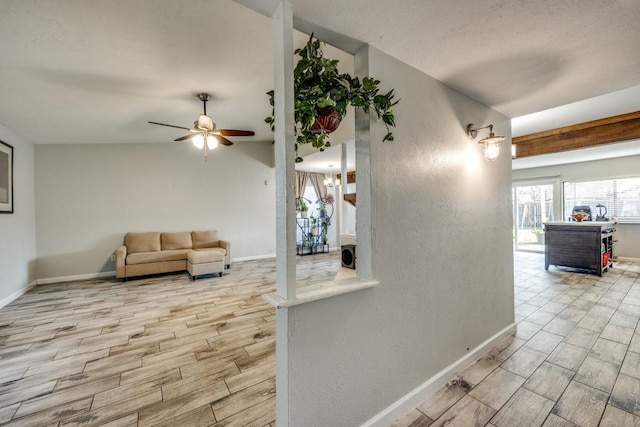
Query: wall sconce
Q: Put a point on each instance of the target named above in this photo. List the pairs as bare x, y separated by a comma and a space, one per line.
491, 143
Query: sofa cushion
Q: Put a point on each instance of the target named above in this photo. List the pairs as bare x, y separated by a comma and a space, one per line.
142, 242
205, 255
159, 256
180, 240
221, 250
205, 239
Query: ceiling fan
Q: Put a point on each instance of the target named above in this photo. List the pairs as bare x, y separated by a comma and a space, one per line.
205, 134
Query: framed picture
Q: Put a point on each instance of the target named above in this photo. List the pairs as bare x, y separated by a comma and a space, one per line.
6, 178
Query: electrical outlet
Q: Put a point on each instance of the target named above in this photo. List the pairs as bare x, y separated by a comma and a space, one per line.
113, 257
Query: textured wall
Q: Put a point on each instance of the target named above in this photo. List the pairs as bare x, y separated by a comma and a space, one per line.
628, 235
17, 230
442, 251
89, 196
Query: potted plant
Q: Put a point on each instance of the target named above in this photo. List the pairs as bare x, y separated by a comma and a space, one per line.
314, 226
325, 229
322, 94
303, 208
539, 233
322, 211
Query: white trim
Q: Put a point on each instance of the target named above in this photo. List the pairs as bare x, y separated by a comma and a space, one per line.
626, 259
420, 393
253, 258
267, 256
17, 294
541, 179
60, 279
320, 291
49, 280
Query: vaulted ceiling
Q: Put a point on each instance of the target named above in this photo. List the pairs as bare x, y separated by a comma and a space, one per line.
518, 57
92, 71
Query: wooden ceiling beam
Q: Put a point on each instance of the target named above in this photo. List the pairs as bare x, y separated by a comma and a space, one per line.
597, 132
350, 198
351, 177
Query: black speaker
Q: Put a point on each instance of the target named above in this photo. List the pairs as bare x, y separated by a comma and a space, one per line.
348, 256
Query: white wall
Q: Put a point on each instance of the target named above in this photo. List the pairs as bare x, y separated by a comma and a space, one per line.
628, 235
89, 196
17, 230
442, 253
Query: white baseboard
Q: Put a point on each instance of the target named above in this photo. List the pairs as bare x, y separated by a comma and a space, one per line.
61, 279
17, 294
113, 273
252, 258
49, 280
626, 259
420, 393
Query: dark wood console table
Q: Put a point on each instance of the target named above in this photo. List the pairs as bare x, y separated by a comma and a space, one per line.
580, 245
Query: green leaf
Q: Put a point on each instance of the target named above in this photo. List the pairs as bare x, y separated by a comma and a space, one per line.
318, 83
326, 102
388, 118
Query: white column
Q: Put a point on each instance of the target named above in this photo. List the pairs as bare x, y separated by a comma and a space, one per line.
284, 151
285, 196
364, 208
340, 203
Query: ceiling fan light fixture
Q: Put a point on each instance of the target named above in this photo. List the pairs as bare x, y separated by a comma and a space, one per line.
212, 142
198, 141
207, 135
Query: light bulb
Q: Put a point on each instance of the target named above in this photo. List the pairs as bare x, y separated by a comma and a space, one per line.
491, 150
198, 141
212, 142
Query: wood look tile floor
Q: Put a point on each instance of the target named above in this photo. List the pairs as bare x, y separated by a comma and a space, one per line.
574, 361
160, 351
167, 351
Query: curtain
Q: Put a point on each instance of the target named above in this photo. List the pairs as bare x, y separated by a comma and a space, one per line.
301, 183
317, 180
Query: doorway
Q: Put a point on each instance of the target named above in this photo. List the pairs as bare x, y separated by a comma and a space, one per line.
532, 207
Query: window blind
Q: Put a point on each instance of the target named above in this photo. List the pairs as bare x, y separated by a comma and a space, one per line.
621, 197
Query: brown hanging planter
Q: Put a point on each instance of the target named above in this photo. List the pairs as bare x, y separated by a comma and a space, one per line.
326, 86
326, 121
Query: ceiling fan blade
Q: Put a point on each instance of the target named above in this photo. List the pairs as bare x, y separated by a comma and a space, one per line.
182, 138
222, 140
235, 132
171, 126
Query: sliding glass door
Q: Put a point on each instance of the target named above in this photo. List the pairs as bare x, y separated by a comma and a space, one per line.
532, 206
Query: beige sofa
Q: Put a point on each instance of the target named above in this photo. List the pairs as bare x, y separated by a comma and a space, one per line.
155, 252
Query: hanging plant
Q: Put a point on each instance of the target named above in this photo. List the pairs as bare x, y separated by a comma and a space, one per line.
322, 94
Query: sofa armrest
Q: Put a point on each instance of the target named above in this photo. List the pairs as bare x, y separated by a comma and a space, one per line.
226, 245
121, 255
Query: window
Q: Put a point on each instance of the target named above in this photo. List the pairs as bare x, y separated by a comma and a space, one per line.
620, 197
